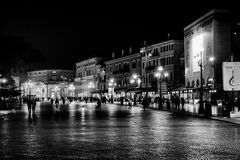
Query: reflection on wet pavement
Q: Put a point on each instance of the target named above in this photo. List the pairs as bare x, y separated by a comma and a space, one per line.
80, 131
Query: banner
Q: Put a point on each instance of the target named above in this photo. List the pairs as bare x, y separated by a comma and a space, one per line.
231, 76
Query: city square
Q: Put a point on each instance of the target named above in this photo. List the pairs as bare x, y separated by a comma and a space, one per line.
119, 82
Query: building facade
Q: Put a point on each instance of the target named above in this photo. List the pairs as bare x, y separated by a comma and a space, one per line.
210, 40
90, 77
123, 73
169, 55
49, 83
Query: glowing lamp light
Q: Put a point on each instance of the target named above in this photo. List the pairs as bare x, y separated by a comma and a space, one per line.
134, 76
160, 68
211, 59
157, 74
166, 74
131, 80
111, 80
139, 81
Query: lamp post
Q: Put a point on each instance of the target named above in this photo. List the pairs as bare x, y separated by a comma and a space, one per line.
212, 60
137, 81
2, 81
145, 50
161, 75
111, 85
200, 63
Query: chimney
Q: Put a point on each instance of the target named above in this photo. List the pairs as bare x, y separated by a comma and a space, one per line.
113, 55
122, 52
130, 50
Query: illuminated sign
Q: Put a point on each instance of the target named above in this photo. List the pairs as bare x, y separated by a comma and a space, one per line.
231, 76
197, 50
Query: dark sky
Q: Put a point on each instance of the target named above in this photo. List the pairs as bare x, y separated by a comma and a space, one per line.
67, 32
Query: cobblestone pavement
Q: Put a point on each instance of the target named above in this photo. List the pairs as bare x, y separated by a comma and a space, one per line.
81, 131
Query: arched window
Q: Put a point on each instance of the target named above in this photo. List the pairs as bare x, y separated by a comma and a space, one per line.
188, 84
193, 83
197, 82
203, 81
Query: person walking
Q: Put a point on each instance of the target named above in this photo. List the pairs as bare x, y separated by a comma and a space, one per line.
29, 105
99, 103
34, 103
177, 102
238, 103
51, 102
182, 102
57, 102
129, 103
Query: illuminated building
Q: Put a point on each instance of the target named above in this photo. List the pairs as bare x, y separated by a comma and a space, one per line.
49, 83
209, 40
119, 71
170, 56
90, 77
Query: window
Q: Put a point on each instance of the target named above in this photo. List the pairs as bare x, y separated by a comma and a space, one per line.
193, 83
134, 64
197, 83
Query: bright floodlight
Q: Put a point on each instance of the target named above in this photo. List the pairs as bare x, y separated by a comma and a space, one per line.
160, 68
211, 59
134, 76
131, 81
166, 74
157, 74
139, 81
111, 80
4, 80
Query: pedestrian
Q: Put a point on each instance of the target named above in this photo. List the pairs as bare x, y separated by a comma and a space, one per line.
29, 105
86, 99
182, 102
238, 103
63, 100
99, 103
129, 103
56, 102
34, 103
51, 102
177, 102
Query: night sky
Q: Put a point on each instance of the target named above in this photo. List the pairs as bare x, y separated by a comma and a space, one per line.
69, 32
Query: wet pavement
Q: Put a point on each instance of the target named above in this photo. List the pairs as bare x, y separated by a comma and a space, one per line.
80, 131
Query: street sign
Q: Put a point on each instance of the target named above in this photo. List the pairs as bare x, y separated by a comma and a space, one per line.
231, 76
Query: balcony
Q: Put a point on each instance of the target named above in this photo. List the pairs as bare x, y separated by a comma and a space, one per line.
124, 70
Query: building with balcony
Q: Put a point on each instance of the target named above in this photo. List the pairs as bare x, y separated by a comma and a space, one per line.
169, 55
119, 72
90, 77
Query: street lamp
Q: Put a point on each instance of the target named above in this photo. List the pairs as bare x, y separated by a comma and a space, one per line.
135, 79
2, 81
111, 85
200, 63
145, 50
161, 75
